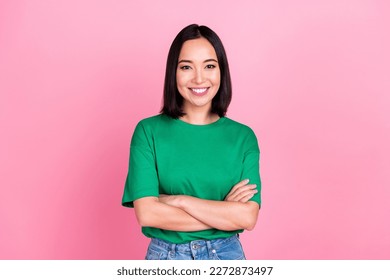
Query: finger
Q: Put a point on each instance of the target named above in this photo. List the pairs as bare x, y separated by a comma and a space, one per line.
240, 184
241, 189
241, 194
244, 195
246, 198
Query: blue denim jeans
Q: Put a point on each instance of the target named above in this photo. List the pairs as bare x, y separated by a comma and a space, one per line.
216, 249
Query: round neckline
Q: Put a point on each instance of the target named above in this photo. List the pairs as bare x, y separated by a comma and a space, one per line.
220, 120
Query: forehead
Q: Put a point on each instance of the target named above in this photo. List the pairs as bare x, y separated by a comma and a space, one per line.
197, 49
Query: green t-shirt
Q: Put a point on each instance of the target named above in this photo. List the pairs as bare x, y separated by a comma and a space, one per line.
170, 156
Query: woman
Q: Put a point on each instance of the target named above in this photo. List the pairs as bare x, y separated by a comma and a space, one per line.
194, 174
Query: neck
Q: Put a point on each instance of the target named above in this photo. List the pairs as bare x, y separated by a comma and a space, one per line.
200, 117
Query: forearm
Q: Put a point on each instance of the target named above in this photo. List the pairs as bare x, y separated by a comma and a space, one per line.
223, 215
151, 212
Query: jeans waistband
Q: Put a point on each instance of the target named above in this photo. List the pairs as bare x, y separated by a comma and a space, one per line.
193, 244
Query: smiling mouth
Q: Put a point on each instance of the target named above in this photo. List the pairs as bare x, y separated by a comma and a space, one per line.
199, 91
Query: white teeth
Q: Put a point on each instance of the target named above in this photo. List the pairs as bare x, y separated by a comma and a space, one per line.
199, 90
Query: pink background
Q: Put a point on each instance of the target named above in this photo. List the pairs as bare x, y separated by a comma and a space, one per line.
312, 78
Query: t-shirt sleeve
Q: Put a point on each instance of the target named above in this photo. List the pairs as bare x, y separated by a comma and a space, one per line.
142, 179
251, 167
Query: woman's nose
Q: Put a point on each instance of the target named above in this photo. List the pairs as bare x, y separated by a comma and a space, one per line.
198, 78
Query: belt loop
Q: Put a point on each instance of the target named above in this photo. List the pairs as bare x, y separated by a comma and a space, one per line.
172, 250
210, 249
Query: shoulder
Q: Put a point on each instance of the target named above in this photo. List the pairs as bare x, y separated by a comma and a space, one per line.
237, 126
154, 126
153, 122
243, 134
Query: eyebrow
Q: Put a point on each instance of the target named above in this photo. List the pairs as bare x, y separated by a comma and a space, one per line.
190, 61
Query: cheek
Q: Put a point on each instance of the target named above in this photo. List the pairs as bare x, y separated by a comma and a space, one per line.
180, 81
180, 85
217, 78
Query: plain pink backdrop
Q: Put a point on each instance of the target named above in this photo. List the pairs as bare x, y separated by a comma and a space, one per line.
312, 78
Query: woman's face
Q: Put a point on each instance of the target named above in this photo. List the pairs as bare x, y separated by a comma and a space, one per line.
198, 75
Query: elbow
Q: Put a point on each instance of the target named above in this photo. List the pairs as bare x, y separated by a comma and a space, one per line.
146, 218
252, 211
143, 212
251, 225
143, 219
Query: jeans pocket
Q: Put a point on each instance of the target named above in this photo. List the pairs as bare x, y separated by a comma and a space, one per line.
156, 253
231, 250
152, 255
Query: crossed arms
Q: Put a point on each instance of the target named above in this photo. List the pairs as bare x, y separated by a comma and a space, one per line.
187, 213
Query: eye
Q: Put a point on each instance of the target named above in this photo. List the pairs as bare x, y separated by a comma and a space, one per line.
185, 67
210, 66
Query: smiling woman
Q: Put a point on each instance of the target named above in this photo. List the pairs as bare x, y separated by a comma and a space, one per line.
198, 78
194, 173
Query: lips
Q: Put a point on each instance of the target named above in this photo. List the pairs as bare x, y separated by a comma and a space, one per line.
199, 91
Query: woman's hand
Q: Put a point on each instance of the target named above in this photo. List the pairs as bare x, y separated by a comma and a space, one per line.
151, 212
241, 192
235, 212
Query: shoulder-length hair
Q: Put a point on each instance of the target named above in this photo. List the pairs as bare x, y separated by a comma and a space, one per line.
173, 101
